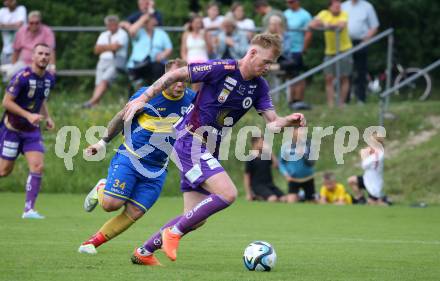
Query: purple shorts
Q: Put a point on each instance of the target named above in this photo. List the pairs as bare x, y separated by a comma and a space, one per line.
14, 142
195, 162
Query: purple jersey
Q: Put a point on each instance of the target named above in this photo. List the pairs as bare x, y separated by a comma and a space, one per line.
224, 96
30, 91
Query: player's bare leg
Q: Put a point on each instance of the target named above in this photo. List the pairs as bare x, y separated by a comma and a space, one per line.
6, 167
330, 90
35, 161
223, 194
99, 91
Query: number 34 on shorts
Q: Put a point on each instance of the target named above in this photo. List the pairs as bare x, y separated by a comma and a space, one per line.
118, 184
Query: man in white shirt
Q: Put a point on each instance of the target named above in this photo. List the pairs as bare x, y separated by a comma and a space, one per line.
11, 16
111, 46
363, 24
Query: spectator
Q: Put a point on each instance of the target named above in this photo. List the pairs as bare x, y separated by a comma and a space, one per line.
297, 44
112, 46
258, 182
11, 16
27, 37
263, 8
195, 46
213, 21
362, 25
372, 180
333, 192
243, 23
231, 43
151, 46
331, 20
144, 7
296, 167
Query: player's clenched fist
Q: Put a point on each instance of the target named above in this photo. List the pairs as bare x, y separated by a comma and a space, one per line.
132, 107
296, 119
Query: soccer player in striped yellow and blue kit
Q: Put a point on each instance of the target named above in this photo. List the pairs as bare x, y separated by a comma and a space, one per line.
138, 170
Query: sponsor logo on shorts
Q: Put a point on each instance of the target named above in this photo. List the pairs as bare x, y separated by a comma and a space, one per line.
201, 68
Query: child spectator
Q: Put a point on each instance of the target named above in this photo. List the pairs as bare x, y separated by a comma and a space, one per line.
333, 192
258, 182
297, 168
372, 180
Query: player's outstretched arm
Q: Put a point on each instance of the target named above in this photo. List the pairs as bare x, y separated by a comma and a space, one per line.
114, 127
275, 123
169, 78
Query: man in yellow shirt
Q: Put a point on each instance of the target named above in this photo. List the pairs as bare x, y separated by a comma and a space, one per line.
333, 192
331, 20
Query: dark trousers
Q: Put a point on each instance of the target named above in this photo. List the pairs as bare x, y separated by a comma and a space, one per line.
359, 77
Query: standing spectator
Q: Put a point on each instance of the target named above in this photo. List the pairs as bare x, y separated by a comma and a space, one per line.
333, 192
213, 21
151, 46
263, 8
11, 16
258, 181
27, 37
243, 23
231, 43
195, 46
296, 167
144, 7
362, 25
25, 104
297, 44
334, 19
372, 180
112, 46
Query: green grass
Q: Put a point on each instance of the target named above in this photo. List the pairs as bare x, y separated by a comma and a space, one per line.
312, 242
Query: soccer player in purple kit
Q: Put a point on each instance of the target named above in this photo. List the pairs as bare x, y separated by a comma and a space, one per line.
230, 88
25, 107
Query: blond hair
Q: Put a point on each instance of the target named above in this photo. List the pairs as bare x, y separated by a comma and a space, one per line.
268, 41
178, 62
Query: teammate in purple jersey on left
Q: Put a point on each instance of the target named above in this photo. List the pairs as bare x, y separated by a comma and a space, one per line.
25, 103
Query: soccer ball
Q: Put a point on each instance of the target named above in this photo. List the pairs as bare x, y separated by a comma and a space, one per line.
259, 256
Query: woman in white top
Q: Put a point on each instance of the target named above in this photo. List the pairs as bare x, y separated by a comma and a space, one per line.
195, 46
372, 179
242, 23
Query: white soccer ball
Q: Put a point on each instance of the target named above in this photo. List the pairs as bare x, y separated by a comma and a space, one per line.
259, 256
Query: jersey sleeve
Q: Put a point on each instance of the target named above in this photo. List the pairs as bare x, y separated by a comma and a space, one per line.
263, 101
16, 85
211, 70
138, 93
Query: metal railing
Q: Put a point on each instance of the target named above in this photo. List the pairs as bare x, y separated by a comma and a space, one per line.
337, 58
384, 96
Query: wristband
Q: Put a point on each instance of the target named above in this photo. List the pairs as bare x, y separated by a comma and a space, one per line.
102, 143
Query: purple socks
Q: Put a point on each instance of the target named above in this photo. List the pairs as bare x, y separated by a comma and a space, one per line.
33, 185
155, 241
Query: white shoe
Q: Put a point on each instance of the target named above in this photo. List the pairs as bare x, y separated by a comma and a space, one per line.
87, 249
92, 198
32, 214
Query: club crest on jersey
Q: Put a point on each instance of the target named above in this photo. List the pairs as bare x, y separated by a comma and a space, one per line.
247, 102
223, 95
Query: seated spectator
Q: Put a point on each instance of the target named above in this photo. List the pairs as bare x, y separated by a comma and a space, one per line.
112, 46
151, 46
335, 19
297, 44
146, 7
258, 182
263, 8
27, 37
371, 181
244, 24
296, 167
11, 16
333, 192
231, 43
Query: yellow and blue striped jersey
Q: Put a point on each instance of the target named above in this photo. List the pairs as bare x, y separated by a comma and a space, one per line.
151, 136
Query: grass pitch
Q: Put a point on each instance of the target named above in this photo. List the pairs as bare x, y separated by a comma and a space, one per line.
312, 242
